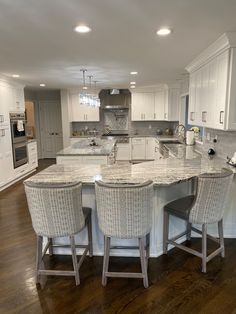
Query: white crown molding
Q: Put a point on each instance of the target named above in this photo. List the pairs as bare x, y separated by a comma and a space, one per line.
224, 42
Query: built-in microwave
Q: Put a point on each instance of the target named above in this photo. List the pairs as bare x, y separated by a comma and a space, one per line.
18, 132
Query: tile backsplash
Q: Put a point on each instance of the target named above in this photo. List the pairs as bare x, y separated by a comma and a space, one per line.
123, 122
225, 145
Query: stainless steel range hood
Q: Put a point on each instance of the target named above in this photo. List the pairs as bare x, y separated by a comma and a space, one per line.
115, 99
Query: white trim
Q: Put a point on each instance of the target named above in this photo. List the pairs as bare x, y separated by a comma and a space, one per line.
224, 42
16, 179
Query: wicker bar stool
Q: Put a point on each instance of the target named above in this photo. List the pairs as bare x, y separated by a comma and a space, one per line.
56, 211
125, 212
206, 207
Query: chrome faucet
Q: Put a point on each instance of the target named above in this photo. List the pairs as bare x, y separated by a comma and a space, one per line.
180, 132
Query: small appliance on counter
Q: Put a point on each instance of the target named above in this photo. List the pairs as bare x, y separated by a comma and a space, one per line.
159, 131
232, 161
168, 131
190, 138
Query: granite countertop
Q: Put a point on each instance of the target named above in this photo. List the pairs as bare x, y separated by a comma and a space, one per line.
182, 151
31, 140
162, 172
82, 148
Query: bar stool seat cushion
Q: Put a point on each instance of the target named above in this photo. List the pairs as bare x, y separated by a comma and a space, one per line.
86, 212
181, 207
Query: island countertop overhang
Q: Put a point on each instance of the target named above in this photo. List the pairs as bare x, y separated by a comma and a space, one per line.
162, 172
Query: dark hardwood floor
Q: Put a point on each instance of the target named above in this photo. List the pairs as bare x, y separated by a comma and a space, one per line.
176, 283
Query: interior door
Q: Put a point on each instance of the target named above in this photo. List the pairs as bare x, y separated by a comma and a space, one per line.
50, 128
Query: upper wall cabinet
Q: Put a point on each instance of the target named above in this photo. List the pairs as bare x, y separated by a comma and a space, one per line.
156, 105
12, 99
82, 113
212, 93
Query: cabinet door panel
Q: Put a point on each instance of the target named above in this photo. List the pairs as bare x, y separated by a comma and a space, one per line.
142, 106
221, 91
192, 99
159, 105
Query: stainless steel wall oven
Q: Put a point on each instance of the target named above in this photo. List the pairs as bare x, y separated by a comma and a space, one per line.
19, 139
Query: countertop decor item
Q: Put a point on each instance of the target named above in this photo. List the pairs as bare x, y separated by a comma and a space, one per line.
190, 138
159, 131
232, 161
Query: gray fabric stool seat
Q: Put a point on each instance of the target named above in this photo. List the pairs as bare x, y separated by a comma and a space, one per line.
180, 207
206, 207
56, 211
125, 212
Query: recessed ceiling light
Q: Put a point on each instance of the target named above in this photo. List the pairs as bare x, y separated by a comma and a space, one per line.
132, 86
82, 29
134, 73
85, 87
132, 83
42, 85
15, 75
164, 31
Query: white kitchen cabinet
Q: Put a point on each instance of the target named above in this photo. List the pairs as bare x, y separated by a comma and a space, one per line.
138, 148
158, 105
32, 155
6, 158
212, 86
171, 110
142, 106
83, 113
160, 100
123, 151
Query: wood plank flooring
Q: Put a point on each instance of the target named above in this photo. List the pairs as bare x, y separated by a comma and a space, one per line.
176, 283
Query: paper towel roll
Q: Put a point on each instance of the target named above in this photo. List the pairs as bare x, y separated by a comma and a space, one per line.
190, 139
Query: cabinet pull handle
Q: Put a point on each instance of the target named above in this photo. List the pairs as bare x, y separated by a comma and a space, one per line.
165, 115
1, 118
2, 132
204, 113
154, 116
221, 120
192, 116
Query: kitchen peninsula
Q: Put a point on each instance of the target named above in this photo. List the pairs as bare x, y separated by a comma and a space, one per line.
88, 151
171, 178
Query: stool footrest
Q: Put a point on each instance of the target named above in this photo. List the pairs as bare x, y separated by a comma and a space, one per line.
56, 272
124, 275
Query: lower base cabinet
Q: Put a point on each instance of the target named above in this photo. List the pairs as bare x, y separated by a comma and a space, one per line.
123, 152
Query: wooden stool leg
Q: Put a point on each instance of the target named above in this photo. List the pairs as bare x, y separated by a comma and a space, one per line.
74, 259
204, 248
39, 257
148, 246
107, 241
165, 232
143, 262
189, 229
50, 249
221, 236
90, 237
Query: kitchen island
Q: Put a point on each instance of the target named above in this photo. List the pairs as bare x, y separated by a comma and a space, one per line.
172, 179
88, 151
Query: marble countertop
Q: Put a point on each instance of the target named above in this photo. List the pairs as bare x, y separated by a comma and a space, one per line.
182, 151
82, 148
162, 172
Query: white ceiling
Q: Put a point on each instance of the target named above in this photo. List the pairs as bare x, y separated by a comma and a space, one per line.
38, 42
